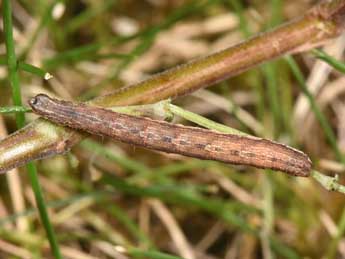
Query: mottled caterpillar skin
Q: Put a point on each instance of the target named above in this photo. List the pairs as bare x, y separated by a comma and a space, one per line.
171, 138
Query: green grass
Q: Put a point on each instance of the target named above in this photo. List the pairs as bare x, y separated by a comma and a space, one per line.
102, 187
20, 121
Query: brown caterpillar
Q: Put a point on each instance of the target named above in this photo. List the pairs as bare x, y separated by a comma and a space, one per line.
171, 138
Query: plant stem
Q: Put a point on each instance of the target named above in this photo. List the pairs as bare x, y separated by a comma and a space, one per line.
338, 65
20, 120
202, 121
14, 109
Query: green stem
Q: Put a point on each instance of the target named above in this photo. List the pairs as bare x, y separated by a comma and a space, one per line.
34, 70
20, 120
12, 61
14, 109
329, 183
158, 110
340, 66
202, 121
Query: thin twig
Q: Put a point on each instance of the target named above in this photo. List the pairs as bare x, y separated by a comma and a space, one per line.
329, 183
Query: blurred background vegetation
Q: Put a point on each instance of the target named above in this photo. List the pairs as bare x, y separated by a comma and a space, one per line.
111, 200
